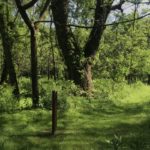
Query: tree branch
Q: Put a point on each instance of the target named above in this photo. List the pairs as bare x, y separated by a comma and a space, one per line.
101, 14
118, 6
24, 14
138, 2
42, 13
90, 27
44, 9
30, 4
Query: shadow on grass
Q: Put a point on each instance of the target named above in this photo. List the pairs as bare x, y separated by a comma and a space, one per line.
110, 108
30, 130
90, 130
134, 136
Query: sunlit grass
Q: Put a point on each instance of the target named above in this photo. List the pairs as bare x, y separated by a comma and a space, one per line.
88, 124
137, 94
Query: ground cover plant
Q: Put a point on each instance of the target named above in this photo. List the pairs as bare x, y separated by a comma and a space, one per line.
116, 121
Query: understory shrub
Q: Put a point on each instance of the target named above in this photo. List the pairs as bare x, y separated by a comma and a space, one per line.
107, 89
24, 103
64, 90
25, 86
7, 101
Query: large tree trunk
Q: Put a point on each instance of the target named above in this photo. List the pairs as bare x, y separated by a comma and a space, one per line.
34, 71
74, 69
79, 72
70, 48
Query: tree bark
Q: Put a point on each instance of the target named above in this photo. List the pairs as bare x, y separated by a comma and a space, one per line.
79, 72
148, 82
8, 66
34, 71
70, 49
4, 72
31, 26
87, 84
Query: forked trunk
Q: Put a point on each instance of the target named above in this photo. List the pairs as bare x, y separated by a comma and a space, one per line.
71, 48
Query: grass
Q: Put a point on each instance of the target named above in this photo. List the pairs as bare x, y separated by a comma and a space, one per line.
87, 125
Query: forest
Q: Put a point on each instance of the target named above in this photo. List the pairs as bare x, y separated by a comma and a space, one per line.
74, 74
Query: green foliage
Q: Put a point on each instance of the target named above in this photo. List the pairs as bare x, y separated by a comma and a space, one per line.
63, 88
79, 11
25, 103
25, 86
124, 52
113, 107
105, 89
2, 145
121, 93
7, 101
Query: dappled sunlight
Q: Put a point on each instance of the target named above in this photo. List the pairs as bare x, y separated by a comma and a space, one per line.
86, 123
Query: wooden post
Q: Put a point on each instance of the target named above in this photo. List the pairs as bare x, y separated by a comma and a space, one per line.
54, 112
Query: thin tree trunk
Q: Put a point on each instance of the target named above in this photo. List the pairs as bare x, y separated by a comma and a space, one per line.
148, 82
4, 72
12, 76
34, 71
48, 67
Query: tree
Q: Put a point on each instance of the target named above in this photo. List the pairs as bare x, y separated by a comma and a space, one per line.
33, 27
79, 59
7, 42
124, 52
